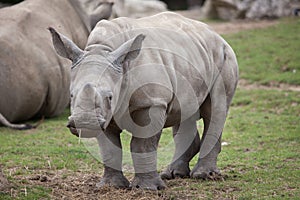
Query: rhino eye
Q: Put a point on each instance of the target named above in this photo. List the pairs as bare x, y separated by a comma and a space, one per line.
72, 95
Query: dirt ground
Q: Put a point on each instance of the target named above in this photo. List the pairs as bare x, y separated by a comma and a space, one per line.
231, 26
69, 185
81, 185
273, 86
241, 25
4, 184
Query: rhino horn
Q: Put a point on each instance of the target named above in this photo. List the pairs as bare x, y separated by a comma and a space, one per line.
64, 46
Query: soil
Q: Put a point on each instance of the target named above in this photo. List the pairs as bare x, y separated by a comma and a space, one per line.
82, 185
272, 86
230, 26
4, 184
241, 25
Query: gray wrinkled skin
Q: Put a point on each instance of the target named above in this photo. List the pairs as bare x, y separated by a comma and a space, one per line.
34, 81
142, 75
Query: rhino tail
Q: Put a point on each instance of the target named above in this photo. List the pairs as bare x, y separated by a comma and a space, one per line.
6, 123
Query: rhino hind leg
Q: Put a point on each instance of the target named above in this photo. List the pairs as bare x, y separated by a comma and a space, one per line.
213, 111
187, 145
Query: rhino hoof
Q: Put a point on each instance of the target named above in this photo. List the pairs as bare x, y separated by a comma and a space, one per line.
176, 170
119, 182
207, 175
148, 183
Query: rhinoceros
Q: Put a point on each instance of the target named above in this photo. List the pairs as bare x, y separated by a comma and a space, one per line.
34, 81
143, 75
138, 8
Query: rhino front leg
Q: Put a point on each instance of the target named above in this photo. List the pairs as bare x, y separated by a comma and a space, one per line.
111, 153
144, 156
145, 137
187, 145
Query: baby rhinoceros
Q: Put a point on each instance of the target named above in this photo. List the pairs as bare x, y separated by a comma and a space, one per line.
143, 75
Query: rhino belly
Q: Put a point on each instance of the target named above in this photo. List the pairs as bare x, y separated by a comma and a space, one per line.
20, 106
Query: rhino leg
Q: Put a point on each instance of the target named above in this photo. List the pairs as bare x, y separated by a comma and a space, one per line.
146, 132
111, 153
144, 155
113, 177
213, 111
187, 145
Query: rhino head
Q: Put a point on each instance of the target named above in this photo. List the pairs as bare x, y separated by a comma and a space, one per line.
94, 76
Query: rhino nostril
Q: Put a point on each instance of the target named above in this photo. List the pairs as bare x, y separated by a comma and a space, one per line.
71, 123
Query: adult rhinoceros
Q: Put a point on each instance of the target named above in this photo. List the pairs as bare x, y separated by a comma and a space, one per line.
146, 74
33, 80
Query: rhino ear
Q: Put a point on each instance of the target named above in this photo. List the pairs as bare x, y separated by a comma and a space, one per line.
64, 46
127, 51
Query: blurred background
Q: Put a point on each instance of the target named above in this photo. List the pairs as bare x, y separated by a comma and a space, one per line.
217, 9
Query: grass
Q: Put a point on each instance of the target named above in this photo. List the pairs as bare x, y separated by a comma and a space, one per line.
263, 145
28, 148
261, 160
269, 55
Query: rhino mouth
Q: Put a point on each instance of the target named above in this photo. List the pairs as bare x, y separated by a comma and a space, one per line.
83, 132
73, 130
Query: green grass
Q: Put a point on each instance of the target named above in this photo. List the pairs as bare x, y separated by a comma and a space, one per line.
269, 55
49, 146
261, 160
263, 149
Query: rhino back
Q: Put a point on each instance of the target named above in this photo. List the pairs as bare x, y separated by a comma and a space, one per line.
178, 53
34, 80
171, 39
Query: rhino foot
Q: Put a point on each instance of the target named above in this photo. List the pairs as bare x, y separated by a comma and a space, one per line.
148, 181
117, 180
178, 169
206, 173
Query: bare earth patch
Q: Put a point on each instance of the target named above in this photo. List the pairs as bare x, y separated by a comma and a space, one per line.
82, 185
4, 184
243, 84
241, 25
230, 26
65, 184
